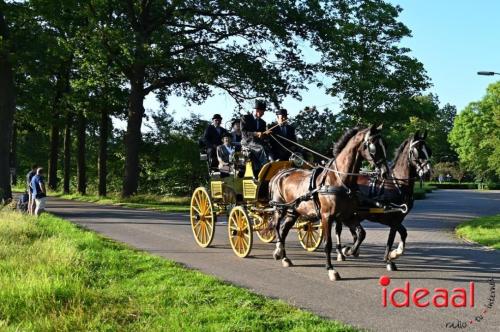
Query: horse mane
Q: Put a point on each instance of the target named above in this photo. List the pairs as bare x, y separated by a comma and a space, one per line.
342, 142
400, 149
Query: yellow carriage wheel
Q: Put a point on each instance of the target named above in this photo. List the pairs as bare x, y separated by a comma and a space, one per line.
265, 233
240, 232
202, 217
310, 235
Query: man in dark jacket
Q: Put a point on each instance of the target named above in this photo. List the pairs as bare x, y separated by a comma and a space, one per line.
252, 132
213, 138
283, 129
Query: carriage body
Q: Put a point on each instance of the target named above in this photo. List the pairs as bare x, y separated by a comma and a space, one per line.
244, 199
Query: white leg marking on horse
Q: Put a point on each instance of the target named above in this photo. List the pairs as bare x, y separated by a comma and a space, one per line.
333, 275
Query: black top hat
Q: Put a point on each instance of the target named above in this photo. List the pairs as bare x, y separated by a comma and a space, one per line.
226, 134
217, 116
282, 112
260, 105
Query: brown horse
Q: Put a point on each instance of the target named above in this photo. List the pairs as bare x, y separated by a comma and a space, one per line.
325, 193
411, 161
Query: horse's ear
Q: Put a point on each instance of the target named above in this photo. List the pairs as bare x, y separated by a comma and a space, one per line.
425, 134
416, 136
372, 129
379, 128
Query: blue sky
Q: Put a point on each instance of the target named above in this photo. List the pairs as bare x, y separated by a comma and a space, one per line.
453, 39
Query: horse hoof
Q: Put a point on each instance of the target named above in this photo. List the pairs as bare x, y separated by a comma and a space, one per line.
356, 254
340, 258
333, 275
391, 267
286, 262
346, 251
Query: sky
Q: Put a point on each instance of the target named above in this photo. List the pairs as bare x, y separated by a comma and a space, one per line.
453, 39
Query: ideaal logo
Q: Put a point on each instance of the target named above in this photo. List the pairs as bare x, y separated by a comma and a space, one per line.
439, 298
423, 297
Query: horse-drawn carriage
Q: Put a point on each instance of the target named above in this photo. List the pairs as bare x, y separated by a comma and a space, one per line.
244, 199
299, 197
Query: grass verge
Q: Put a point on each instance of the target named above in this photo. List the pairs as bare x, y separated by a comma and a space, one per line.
484, 230
56, 277
150, 202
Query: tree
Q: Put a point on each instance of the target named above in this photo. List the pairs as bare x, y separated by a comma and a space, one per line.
318, 130
475, 135
247, 49
7, 104
438, 121
374, 77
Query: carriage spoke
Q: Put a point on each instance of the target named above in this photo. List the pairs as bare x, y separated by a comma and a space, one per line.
196, 210
308, 239
244, 242
237, 243
203, 234
198, 230
197, 224
202, 203
197, 200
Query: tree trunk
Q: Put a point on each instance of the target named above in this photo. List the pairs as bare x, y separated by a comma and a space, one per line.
81, 166
13, 154
103, 152
67, 154
133, 136
7, 109
62, 87
54, 151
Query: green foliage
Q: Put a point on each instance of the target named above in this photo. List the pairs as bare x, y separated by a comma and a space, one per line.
444, 168
374, 77
56, 277
475, 135
318, 130
484, 230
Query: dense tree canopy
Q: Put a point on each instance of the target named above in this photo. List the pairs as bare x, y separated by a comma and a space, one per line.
475, 135
78, 64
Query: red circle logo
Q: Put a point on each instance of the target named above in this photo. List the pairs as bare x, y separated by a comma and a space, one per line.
384, 280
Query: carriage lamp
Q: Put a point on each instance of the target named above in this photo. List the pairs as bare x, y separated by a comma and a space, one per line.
487, 73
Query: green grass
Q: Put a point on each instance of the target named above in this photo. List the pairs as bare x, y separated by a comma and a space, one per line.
484, 230
151, 202
57, 277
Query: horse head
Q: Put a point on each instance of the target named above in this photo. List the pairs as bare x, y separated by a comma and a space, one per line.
374, 150
419, 154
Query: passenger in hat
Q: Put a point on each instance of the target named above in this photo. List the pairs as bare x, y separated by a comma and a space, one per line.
253, 127
236, 133
213, 138
225, 153
282, 130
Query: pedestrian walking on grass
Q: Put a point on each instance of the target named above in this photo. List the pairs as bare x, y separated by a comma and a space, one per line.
39, 191
31, 199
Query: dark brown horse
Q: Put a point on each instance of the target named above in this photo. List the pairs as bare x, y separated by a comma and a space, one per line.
325, 193
411, 162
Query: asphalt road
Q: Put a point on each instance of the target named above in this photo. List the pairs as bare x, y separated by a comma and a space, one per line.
434, 258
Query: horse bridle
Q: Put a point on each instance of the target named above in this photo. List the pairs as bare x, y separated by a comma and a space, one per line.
413, 156
369, 145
